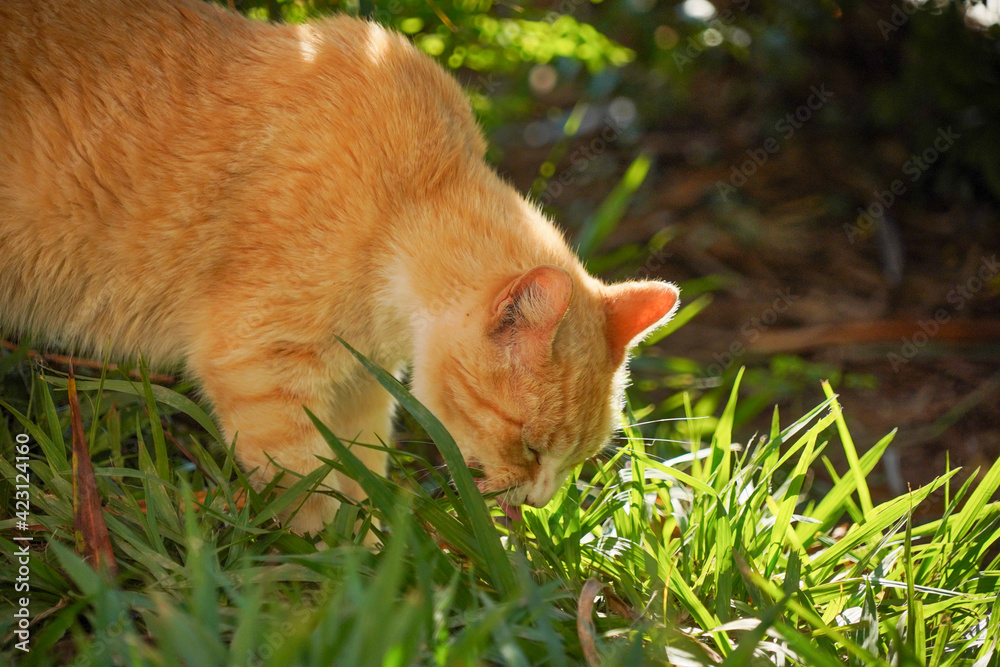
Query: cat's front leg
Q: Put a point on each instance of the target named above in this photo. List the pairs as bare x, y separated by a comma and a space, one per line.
259, 398
362, 418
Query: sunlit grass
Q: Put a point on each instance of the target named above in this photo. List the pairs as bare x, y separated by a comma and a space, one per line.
721, 556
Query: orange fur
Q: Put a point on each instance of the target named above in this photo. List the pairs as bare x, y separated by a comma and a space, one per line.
184, 184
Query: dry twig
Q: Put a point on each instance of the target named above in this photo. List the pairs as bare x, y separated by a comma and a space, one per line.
86, 363
584, 621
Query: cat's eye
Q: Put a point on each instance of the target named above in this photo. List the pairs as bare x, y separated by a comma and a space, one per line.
532, 452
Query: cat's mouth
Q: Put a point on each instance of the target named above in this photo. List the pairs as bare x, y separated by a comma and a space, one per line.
512, 511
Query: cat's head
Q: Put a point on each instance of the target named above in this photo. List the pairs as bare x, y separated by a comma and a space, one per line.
529, 376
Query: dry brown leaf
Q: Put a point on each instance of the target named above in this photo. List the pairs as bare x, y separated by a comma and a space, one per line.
89, 528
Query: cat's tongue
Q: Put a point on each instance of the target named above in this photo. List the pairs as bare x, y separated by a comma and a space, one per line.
512, 511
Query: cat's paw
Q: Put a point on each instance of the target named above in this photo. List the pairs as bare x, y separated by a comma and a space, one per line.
318, 510
315, 512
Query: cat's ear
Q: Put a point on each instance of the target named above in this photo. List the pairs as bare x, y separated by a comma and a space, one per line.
633, 310
527, 312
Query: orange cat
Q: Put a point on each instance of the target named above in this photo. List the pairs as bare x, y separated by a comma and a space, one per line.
182, 183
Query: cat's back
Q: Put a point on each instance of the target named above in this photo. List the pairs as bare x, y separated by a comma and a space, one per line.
99, 100
106, 95
106, 157
155, 154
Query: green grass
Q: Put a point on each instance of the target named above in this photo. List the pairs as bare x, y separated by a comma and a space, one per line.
723, 556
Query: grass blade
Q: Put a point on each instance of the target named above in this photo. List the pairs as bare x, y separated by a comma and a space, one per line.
498, 564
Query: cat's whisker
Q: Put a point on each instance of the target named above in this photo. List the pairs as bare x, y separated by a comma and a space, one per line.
426, 474
666, 419
607, 453
679, 442
506, 495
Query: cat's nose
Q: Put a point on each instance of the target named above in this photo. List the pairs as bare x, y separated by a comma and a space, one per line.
534, 503
541, 491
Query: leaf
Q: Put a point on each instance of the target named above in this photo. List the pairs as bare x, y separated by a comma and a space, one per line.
159, 439
976, 505
683, 316
56, 453
606, 218
89, 528
745, 649
782, 522
164, 395
851, 453
722, 445
829, 509
374, 487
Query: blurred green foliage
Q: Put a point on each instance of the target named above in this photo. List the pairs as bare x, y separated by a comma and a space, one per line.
900, 70
482, 37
